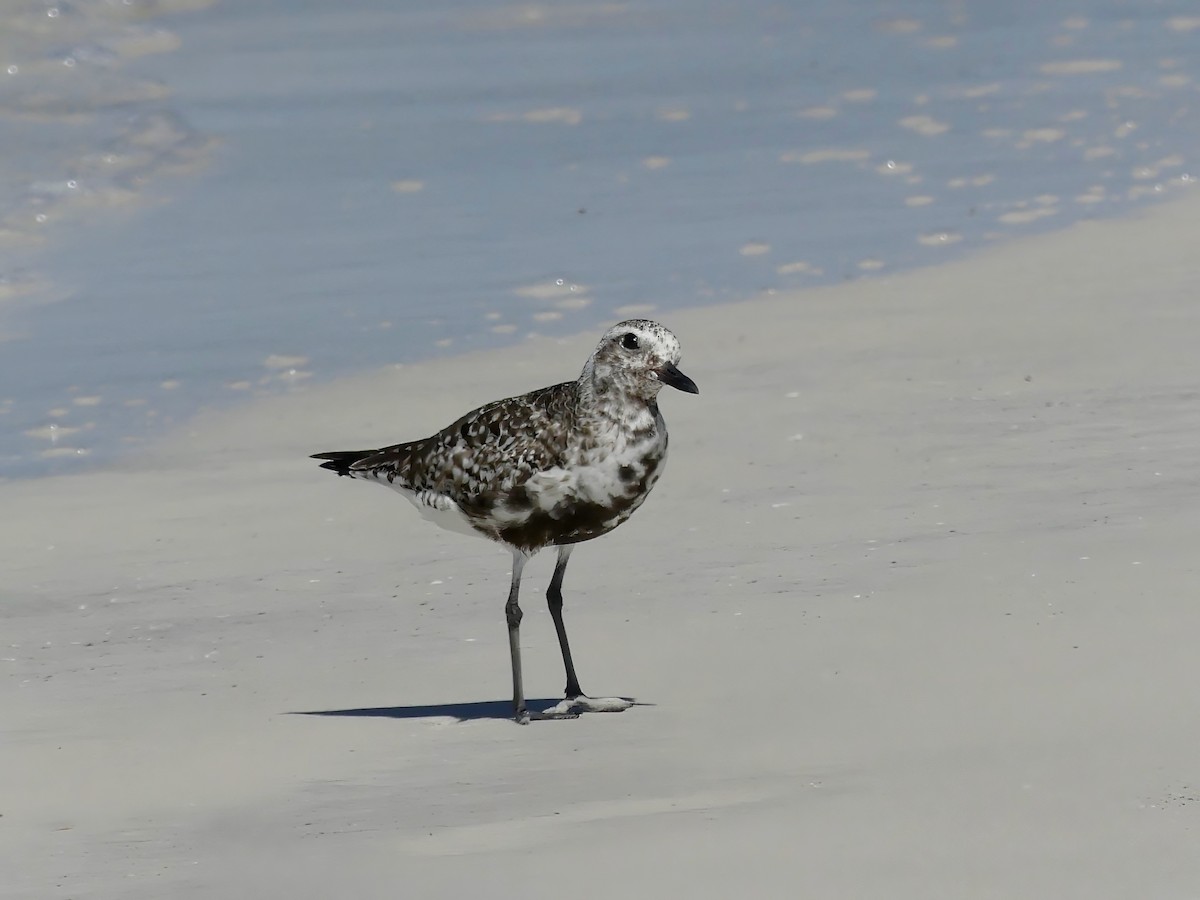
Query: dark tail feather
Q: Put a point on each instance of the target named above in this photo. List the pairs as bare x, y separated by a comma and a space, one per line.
340, 461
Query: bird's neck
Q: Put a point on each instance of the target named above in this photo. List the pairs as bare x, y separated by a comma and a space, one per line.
605, 403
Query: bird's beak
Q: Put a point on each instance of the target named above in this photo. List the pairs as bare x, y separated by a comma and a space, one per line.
670, 375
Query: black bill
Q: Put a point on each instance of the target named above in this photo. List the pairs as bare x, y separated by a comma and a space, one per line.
670, 375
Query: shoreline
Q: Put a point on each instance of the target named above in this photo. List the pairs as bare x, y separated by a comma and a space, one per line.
365, 161
910, 610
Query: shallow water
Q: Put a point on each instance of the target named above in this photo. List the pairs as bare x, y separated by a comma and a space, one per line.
325, 188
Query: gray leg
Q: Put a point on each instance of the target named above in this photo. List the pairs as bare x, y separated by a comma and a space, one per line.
513, 613
555, 601
575, 701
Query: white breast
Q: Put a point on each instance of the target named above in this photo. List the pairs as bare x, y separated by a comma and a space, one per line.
595, 476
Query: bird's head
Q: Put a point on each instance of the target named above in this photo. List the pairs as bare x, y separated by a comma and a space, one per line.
636, 358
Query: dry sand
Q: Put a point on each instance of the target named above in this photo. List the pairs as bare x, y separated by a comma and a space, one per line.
913, 609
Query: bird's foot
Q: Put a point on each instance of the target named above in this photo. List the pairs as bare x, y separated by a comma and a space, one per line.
559, 711
573, 706
522, 716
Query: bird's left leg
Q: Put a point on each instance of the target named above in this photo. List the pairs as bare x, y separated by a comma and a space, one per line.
575, 701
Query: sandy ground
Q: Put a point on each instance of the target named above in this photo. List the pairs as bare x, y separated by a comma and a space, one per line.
913, 613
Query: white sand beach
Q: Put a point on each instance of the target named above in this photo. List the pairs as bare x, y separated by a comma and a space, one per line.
912, 613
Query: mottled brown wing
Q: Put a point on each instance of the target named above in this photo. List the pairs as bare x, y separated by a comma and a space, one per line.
487, 452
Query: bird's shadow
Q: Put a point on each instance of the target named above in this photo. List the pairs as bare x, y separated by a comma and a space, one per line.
462, 712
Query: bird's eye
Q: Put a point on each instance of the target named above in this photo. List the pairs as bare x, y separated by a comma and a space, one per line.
629, 341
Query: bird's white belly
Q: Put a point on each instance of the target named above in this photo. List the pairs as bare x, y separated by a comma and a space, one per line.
440, 510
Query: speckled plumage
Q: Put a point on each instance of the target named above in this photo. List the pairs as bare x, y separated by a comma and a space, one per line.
556, 466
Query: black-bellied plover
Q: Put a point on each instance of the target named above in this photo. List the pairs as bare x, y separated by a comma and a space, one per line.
553, 467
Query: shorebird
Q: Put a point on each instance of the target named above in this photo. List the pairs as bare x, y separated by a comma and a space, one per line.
551, 468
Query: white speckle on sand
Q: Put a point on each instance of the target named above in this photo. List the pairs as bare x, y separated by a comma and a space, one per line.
279, 361
754, 248
1137, 192
1025, 216
555, 115
859, 95
1080, 66
1183, 23
502, 17
898, 26
559, 115
924, 125
976, 91
548, 291
64, 452
796, 268
823, 156
1043, 135
50, 432
939, 238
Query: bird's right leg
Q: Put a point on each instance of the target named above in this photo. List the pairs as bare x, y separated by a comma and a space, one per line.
512, 612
